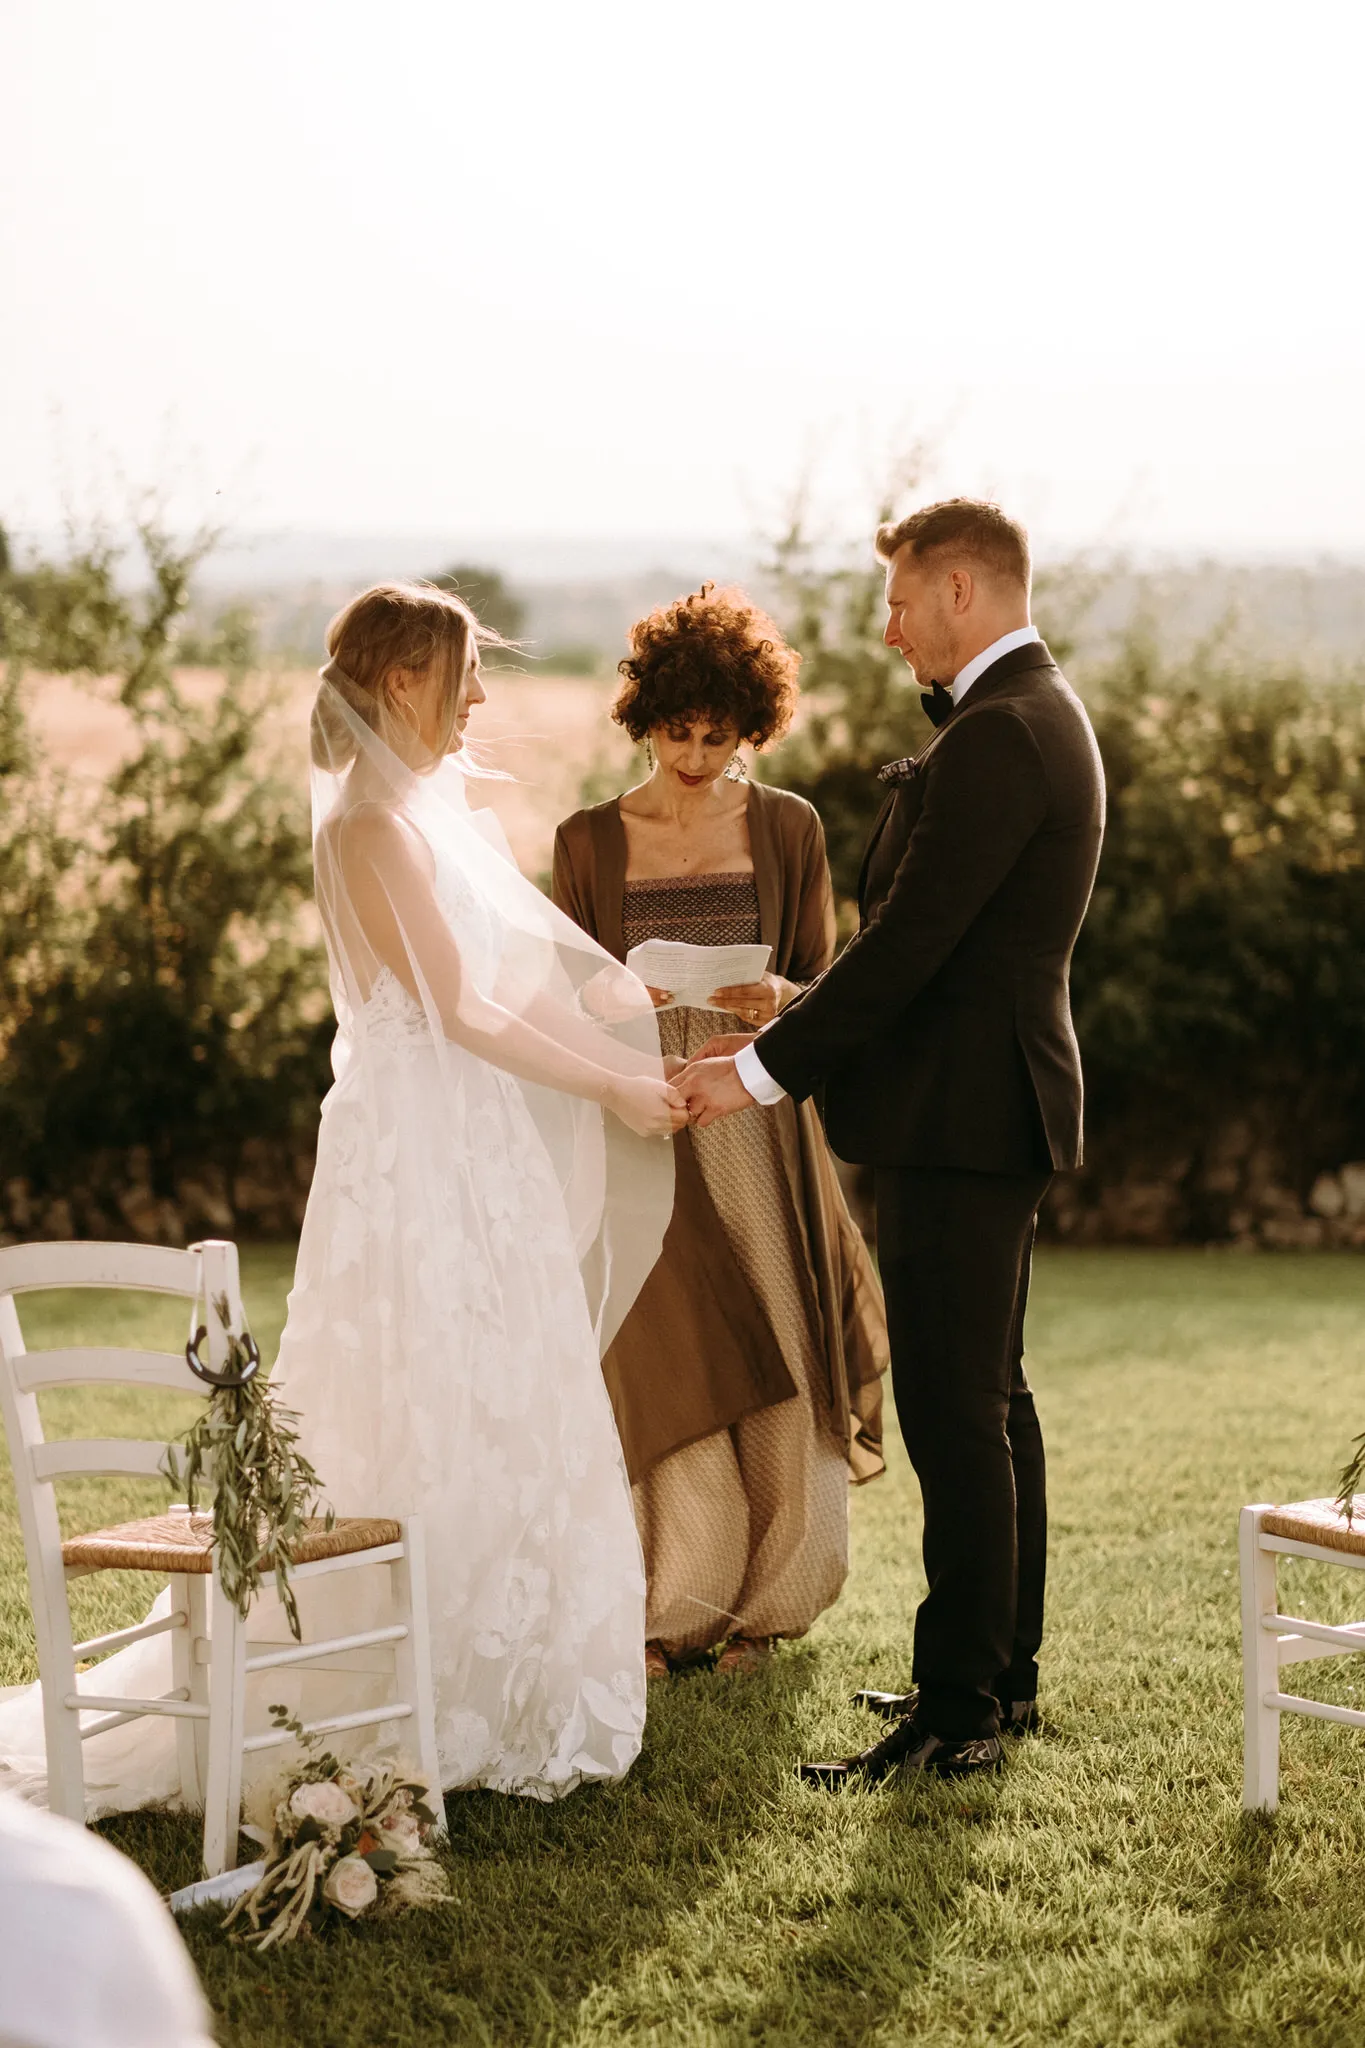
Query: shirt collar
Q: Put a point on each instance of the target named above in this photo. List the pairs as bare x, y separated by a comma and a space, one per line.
1023, 636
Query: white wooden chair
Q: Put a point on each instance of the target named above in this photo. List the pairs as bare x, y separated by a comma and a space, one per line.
1306, 1528
211, 1656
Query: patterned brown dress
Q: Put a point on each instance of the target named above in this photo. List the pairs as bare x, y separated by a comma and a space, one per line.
745, 1531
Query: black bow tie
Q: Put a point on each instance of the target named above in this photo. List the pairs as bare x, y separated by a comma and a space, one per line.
937, 704
938, 707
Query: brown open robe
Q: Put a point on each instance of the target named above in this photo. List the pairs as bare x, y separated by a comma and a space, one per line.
696, 1352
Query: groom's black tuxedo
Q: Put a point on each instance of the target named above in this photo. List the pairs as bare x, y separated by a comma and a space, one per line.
943, 1033
942, 1037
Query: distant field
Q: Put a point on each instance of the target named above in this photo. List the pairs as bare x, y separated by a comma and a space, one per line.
548, 732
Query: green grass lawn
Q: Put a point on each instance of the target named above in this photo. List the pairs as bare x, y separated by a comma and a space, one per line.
1105, 1891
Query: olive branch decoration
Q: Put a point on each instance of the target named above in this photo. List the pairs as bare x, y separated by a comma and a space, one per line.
1351, 1481
245, 1444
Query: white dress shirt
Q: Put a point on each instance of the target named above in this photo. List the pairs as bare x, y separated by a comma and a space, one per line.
748, 1065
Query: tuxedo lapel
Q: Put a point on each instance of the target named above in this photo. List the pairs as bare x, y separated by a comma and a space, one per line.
879, 826
1034, 655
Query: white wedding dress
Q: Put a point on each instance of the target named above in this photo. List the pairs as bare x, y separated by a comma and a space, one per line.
442, 1346
437, 1258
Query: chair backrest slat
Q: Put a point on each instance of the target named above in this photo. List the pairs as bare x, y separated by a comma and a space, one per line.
93, 1457
201, 1275
109, 1366
152, 1268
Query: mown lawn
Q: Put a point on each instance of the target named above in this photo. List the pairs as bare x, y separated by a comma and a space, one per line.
1106, 1891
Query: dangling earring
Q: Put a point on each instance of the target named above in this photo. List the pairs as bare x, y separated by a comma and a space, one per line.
649, 754
736, 768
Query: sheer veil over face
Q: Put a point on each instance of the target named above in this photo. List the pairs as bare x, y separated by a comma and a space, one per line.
423, 906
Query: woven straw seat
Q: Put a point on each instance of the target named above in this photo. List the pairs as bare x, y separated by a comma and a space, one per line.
184, 1543
1320, 1522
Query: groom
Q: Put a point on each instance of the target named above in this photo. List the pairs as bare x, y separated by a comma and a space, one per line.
942, 1039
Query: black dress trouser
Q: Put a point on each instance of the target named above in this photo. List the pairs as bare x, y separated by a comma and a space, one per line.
954, 1249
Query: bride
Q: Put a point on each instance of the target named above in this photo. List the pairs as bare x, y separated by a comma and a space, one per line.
476, 1232
440, 1343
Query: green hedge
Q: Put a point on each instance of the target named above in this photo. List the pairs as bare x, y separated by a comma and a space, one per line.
161, 986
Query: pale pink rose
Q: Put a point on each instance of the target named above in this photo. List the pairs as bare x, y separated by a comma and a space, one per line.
351, 1886
401, 1831
326, 1803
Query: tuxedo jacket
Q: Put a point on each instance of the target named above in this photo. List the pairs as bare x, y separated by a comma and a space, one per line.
942, 1034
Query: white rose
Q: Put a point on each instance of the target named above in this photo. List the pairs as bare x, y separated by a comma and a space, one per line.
351, 1886
326, 1803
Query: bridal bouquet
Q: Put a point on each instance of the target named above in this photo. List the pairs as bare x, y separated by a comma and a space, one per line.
344, 1845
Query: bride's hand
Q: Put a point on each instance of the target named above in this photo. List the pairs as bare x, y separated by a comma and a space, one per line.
648, 1107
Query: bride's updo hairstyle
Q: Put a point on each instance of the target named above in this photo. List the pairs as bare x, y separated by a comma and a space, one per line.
393, 625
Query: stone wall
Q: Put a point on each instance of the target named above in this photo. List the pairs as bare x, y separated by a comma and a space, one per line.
1237, 1193
261, 1193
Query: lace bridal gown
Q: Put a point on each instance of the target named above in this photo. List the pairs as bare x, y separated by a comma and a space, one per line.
442, 1345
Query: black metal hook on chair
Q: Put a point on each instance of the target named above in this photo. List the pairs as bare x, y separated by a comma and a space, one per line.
232, 1377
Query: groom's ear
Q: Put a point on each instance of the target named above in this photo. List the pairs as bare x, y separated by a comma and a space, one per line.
962, 588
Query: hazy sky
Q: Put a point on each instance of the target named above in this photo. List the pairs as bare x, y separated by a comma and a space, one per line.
627, 266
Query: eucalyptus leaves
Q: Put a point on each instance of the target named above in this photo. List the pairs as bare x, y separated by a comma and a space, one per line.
244, 1443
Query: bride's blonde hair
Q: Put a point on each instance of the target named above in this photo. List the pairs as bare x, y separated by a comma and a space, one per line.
389, 626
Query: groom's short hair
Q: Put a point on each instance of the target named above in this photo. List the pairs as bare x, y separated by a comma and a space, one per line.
968, 527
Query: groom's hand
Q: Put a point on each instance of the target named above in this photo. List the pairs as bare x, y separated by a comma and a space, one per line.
723, 1046
711, 1088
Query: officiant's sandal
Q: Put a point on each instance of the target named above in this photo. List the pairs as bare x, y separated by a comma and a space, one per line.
745, 1653
911, 1748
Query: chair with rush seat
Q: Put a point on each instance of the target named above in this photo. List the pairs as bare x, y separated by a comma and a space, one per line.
1307, 1528
211, 1657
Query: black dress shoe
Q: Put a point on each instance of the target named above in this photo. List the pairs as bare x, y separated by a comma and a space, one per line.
911, 1748
1021, 1717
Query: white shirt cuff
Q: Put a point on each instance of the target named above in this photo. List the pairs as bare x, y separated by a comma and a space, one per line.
756, 1077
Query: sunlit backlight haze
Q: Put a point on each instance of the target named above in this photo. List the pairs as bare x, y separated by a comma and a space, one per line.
626, 269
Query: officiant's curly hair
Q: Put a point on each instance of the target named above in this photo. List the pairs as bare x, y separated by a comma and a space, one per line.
712, 655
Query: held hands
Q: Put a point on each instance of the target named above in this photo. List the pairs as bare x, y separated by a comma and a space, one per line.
650, 1108
711, 1088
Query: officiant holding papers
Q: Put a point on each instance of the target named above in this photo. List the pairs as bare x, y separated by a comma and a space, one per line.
746, 1380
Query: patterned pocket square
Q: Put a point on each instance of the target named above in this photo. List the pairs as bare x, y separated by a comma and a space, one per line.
898, 771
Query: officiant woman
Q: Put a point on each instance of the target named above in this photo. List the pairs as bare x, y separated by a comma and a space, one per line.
746, 1381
